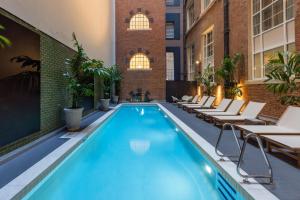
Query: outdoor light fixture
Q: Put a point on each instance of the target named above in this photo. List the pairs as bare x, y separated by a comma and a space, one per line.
197, 62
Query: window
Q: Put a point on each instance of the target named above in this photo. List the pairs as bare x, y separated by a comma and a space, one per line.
191, 63
170, 30
139, 22
172, 2
273, 31
170, 66
139, 62
205, 4
190, 15
290, 9
208, 50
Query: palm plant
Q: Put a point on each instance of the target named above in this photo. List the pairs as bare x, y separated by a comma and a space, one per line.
284, 72
4, 41
227, 72
26, 61
206, 80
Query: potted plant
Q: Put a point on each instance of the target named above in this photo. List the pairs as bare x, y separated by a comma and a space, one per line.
79, 67
115, 77
228, 72
283, 74
104, 102
206, 80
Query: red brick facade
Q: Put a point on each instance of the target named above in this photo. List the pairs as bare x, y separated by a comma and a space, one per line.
239, 42
151, 42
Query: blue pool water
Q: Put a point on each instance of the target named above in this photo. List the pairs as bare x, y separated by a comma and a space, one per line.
137, 154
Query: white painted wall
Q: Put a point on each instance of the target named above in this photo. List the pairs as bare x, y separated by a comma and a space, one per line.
91, 20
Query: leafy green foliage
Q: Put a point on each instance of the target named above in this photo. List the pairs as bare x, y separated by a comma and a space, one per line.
206, 80
113, 78
284, 71
4, 41
81, 71
227, 73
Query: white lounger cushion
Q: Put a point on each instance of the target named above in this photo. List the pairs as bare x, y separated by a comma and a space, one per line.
220, 108
262, 129
291, 141
251, 111
201, 102
194, 100
233, 109
287, 124
207, 104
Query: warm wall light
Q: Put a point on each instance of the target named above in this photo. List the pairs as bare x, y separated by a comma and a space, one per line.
197, 62
242, 87
219, 94
199, 91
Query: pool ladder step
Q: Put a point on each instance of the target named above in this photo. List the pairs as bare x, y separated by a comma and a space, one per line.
226, 191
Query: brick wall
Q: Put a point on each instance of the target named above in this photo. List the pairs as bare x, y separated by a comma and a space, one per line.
213, 17
53, 85
151, 41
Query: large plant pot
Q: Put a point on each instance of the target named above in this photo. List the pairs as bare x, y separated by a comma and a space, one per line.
115, 99
104, 104
73, 118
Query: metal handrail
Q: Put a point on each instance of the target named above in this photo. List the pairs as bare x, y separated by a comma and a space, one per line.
246, 177
222, 156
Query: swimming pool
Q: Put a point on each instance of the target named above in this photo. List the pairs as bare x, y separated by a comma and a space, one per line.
137, 154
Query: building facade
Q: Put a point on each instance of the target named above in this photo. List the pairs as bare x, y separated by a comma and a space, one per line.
140, 46
257, 29
174, 40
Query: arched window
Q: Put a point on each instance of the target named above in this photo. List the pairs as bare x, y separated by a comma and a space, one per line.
139, 61
139, 21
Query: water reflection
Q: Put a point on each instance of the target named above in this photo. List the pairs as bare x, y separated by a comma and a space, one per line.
140, 147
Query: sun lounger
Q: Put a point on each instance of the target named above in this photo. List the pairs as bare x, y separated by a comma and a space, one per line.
208, 104
286, 144
184, 99
251, 112
288, 124
200, 102
233, 109
193, 101
220, 108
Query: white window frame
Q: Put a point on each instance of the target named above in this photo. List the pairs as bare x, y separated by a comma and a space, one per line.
204, 6
170, 37
170, 70
261, 34
137, 26
208, 61
189, 21
191, 65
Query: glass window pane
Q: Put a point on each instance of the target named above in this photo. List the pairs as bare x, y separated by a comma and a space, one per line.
139, 61
256, 6
271, 54
267, 18
170, 32
256, 24
291, 47
139, 22
266, 3
170, 65
290, 9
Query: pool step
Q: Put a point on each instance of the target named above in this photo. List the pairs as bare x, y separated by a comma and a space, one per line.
226, 191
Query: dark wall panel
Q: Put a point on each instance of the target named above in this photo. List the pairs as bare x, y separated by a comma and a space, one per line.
180, 88
19, 83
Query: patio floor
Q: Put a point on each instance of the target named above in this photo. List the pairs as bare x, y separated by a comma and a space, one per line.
286, 176
15, 165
